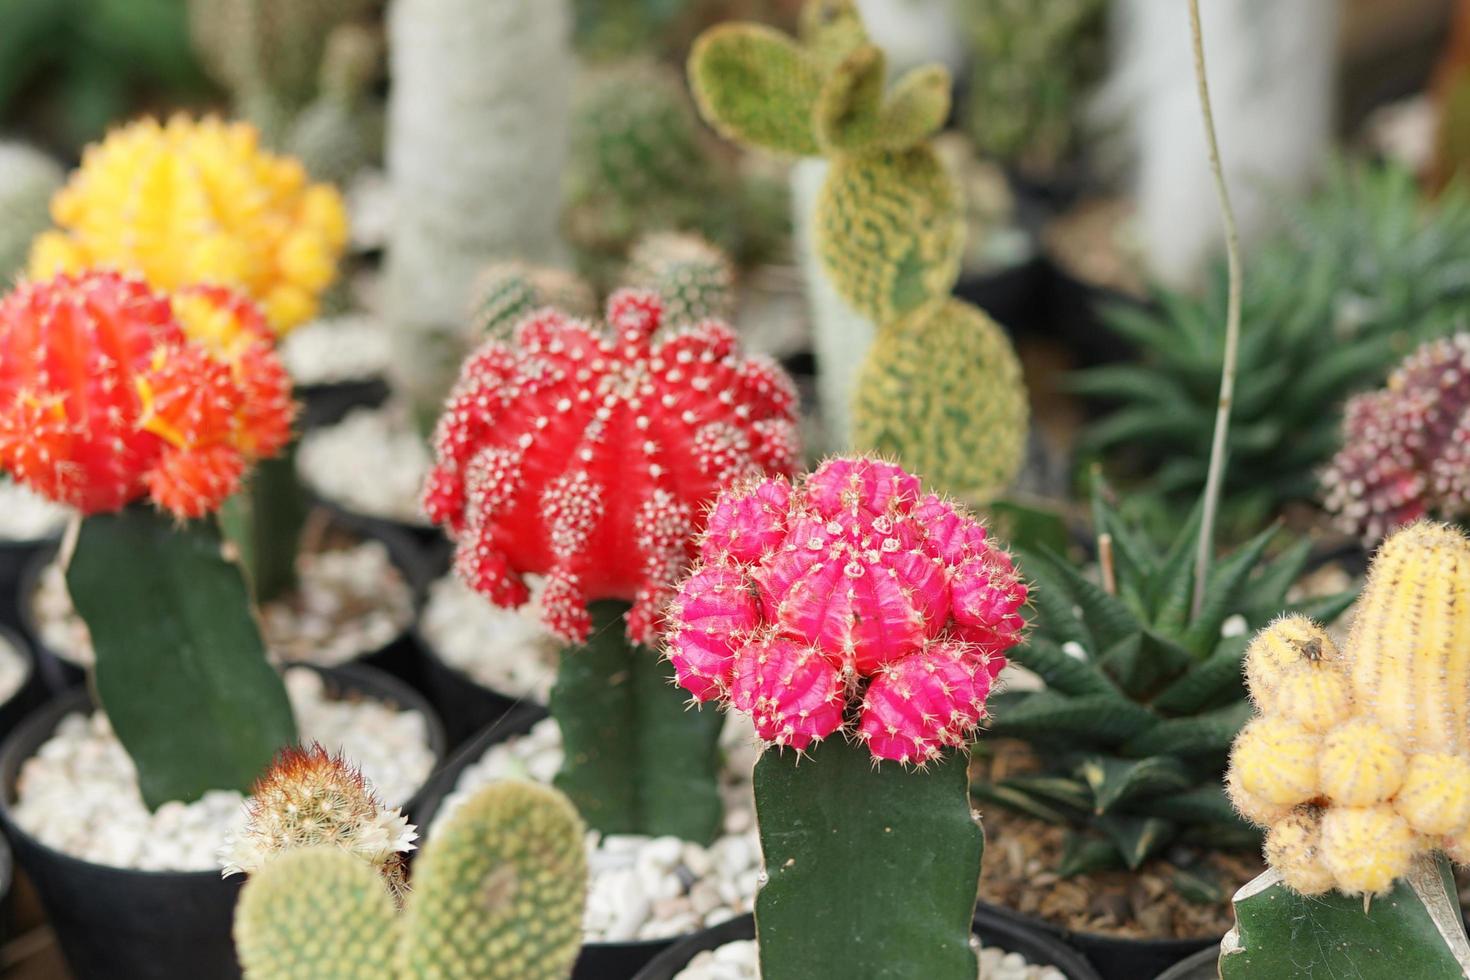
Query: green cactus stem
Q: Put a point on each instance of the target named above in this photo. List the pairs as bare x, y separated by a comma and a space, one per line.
637, 760
872, 870
181, 669
264, 523
1416, 930
498, 895
694, 278
505, 293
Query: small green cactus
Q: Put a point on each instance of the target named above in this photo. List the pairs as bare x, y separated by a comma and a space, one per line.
341, 130
941, 390
889, 227
28, 178
498, 895
694, 278
507, 292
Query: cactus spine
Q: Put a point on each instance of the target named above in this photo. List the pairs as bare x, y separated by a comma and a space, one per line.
498, 895
477, 138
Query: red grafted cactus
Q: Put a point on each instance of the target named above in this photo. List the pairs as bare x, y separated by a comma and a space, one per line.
589, 456
852, 598
110, 392
1406, 448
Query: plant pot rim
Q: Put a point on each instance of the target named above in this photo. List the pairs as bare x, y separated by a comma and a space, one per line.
1185, 967
991, 928
405, 558
23, 648
430, 651
22, 743
24, 544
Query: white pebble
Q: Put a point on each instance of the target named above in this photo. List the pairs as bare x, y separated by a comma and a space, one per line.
506, 650
372, 462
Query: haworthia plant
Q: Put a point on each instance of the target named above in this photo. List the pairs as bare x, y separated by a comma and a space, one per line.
872, 869
181, 669
1416, 930
637, 761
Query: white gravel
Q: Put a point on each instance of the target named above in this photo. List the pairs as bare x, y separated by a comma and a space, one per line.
350, 601
647, 887
739, 960
27, 516
14, 668
372, 463
353, 347
79, 793
506, 650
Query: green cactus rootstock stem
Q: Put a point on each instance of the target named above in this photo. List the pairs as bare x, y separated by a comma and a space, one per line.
638, 760
872, 869
1416, 930
181, 669
264, 523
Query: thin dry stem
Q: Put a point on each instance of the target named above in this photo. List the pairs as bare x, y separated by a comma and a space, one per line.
1216, 475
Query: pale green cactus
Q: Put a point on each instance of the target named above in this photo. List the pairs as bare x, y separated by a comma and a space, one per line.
694, 278
942, 392
28, 178
497, 895
505, 293
341, 130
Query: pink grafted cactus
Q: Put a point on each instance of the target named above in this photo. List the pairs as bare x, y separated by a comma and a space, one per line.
852, 598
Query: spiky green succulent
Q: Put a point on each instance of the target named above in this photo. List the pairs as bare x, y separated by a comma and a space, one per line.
889, 227
497, 895
1140, 697
693, 277
505, 293
1031, 65
941, 391
1364, 272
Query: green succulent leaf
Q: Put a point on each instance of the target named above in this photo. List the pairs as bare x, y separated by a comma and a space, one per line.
1104, 718
1060, 670
1225, 593
1207, 734
1205, 804
1114, 781
1025, 800
1207, 683
1107, 619
846, 116
1143, 661
1082, 854
1136, 838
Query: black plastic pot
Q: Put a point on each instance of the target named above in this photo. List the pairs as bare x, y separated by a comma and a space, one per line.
122, 924
328, 404
1012, 295
597, 961
1204, 965
15, 558
1072, 309
1036, 947
399, 657
1114, 957
31, 693
466, 706
433, 548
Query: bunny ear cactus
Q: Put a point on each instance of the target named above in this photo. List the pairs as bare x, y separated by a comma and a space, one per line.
109, 394
1406, 448
879, 218
941, 391
1359, 768
589, 456
498, 895
1141, 699
853, 604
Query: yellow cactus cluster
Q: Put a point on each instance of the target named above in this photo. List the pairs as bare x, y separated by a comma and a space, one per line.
1360, 759
198, 201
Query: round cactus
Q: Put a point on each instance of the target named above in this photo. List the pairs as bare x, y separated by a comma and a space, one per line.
192, 202
853, 592
311, 797
1404, 452
941, 391
341, 131
108, 392
1361, 760
505, 293
28, 178
588, 456
694, 279
500, 892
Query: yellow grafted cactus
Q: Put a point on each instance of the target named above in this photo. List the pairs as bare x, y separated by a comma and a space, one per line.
941, 390
1366, 848
1293, 847
497, 895
1374, 740
198, 201
313, 913
1410, 642
519, 855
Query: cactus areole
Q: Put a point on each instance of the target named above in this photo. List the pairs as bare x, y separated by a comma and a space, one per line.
589, 456
852, 599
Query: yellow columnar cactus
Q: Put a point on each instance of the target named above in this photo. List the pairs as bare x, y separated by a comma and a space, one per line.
198, 202
1360, 762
